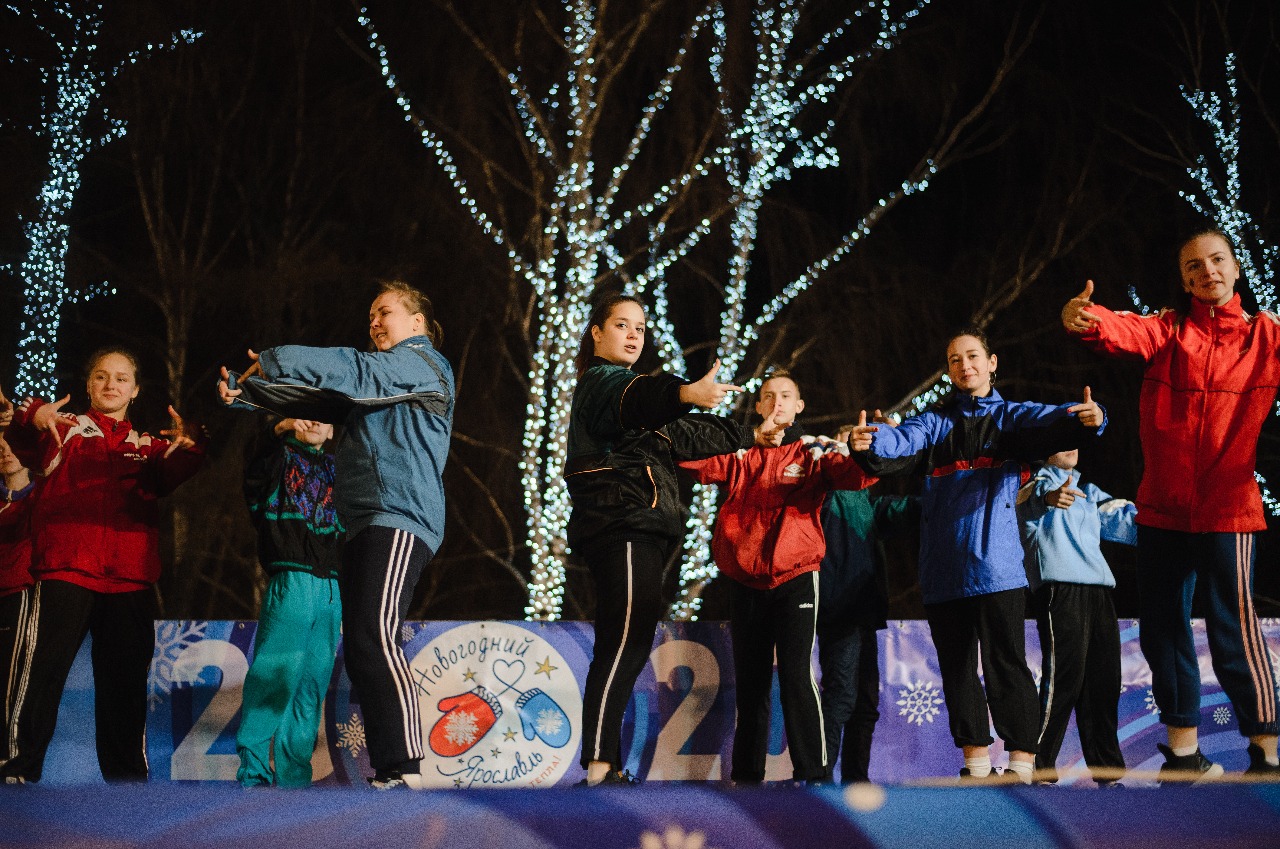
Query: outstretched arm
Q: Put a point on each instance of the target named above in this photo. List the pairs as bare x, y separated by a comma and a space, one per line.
1122, 334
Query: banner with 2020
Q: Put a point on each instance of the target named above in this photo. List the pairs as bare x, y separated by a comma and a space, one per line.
501, 706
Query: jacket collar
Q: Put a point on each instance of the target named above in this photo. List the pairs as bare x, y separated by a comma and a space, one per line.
1203, 313
601, 361
969, 402
108, 424
419, 341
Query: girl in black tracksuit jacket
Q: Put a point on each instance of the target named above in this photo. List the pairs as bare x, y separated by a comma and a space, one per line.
625, 433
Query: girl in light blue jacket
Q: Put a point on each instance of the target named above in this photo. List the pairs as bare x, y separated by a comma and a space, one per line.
396, 406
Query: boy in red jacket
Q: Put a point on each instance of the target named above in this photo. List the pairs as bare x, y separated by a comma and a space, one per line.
768, 539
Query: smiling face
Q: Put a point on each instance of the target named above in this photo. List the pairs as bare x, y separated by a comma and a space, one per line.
390, 322
621, 339
969, 366
780, 400
112, 385
1209, 270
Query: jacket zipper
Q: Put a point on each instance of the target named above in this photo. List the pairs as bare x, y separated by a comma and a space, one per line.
1204, 399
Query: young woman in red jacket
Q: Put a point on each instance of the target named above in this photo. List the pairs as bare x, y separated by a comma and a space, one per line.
1210, 382
96, 537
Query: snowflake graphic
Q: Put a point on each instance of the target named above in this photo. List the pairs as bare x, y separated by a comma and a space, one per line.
919, 702
407, 632
351, 735
549, 722
673, 838
461, 728
1221, 715
173, 637
1149, 701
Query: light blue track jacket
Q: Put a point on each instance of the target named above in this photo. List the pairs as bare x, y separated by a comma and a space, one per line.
1062, 544
397, 410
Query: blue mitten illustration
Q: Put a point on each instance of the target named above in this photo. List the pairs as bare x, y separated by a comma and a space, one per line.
540, 716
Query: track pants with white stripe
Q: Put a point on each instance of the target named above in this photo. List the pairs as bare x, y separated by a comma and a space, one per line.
380, 568
1169, 564
13, 650
1080, 665
631, 579
781, 620
122, 626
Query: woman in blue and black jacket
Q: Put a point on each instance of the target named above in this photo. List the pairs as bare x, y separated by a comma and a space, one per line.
626, 432
396, 406
974, 451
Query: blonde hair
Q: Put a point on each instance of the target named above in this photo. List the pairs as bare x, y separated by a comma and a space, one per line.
417, 304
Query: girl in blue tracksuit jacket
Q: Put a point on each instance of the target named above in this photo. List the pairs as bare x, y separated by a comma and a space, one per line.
396, 406
973, 450
1071, 583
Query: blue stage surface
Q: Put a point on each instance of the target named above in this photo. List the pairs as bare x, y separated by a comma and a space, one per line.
667, 816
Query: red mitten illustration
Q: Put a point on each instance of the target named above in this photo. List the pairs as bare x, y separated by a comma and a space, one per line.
467, 718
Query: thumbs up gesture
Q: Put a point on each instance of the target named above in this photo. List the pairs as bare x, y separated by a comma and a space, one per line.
707, 393
1065, 495
860, 435
1076, 317
1088, 411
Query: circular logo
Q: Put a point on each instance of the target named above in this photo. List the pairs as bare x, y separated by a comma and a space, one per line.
498, 707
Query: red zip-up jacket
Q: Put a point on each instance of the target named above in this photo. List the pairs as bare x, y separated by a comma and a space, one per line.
1210, 382
95, 522
769, 529
15, 539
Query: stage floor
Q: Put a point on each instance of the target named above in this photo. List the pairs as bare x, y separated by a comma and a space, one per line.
653, 816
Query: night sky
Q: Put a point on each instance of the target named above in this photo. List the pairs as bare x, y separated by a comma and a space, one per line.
268, 180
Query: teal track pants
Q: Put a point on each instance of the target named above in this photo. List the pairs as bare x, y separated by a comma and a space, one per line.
298, 631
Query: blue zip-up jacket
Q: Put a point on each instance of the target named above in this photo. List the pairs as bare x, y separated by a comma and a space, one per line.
396, 408
1062, 544
974, 454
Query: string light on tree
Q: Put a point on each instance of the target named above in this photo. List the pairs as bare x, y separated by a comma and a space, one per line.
72, 87
587, 234
1218, 194
766, 143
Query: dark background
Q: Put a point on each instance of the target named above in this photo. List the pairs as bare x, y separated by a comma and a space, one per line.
268, 180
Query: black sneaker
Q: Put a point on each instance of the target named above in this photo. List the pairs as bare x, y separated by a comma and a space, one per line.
620, 776
993, 777
1259, 768
393, 780
1192, 769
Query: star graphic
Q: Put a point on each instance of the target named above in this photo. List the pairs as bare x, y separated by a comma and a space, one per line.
495, 751
509, 734
546, 667
468, 675
457, 782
